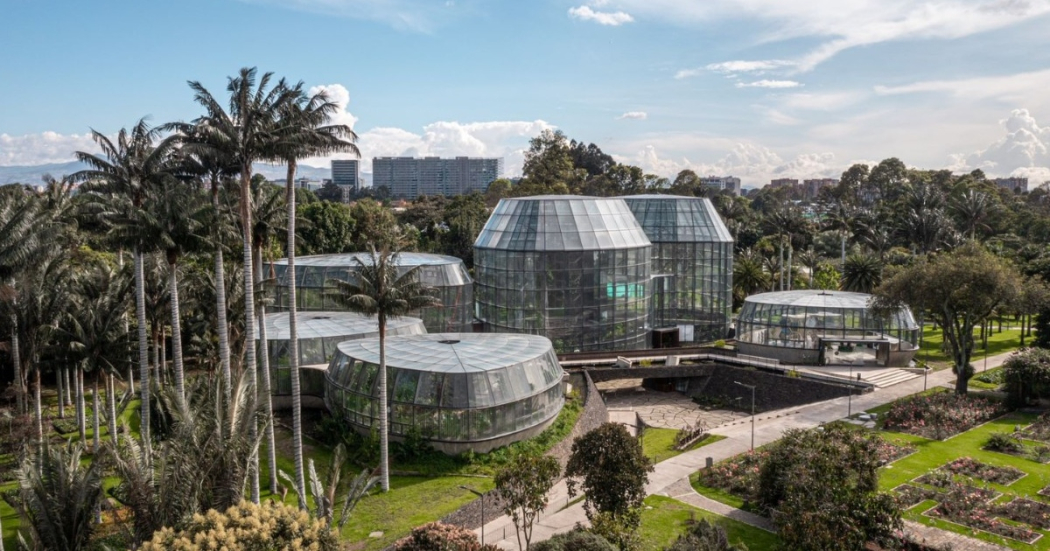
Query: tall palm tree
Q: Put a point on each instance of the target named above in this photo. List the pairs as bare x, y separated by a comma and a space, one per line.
247, 132
749, 276
972, 211
840, 219
18, 215
126, 171
306, 134
379, 289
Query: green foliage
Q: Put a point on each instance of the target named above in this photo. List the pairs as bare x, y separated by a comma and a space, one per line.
270, 526
705, 536
437, 536
611, 468
1004, 442
58, 497
522, 486
324, 227
1027, 375
575, 540
822, 486
374, 225
620, 530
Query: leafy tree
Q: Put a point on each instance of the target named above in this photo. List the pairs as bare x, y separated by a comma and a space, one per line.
328, 228
330, 191
548, 168
374, 224
826, 277
822, 487
58, 496
575, 540
382, 290
609, 466
1027, 375
523, 484
590, 158
498, 189
465, 215
271, 526
960, 290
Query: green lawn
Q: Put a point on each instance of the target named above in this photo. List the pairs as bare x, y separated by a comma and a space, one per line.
667, 518
658, 444
998, 343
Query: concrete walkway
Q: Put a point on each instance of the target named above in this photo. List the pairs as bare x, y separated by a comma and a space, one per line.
768, 427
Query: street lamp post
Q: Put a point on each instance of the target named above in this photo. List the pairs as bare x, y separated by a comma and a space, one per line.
752, 387
482, 496
849, 402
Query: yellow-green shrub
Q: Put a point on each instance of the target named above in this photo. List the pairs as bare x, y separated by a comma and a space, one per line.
270, 526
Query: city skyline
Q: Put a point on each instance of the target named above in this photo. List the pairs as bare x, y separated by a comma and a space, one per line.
757, 90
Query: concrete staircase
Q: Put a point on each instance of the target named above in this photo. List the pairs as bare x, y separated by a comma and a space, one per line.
888, 377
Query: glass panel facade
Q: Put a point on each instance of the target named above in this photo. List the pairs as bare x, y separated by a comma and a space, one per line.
692, 265
445, 274
453, 388
574, 269
803, 319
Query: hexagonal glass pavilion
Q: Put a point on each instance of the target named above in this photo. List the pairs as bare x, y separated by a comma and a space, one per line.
574, 269
462, 391
446, 274
692, 265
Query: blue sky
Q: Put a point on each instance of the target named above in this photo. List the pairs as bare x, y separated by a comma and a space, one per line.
756, 88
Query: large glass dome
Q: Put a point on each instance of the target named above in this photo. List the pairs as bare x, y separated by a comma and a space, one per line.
319, 335
825, 327
446, 274
692, 265
574, 269
462, 391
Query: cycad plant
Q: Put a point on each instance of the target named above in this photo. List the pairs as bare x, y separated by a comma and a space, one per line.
380, 288
58, 498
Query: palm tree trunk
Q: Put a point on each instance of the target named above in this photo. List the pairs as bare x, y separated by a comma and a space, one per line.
111, 398
69, 394
16, 359
780, 265
264, 365
156, 353
94, 415
62, 391
131, 365
293, 343
163, 377
176, 331
78, 379
249, 311
37, 409
384, 437
790, 251
220, 303
842, 266
140, 320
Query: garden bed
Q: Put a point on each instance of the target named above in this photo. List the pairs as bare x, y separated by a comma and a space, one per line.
910, 495
737, 475
889, 452
963, 506
1026, 511
940, 415
1039, 429
967, 466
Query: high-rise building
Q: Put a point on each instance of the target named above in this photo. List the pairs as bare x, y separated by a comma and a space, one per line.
410, 177
347, 174
1013, 183
783, 182
719, 183
811, 188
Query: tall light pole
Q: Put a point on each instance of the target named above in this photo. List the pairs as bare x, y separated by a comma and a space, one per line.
849, 406
482, 496
752, 387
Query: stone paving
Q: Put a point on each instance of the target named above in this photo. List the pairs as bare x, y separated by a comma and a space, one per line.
669, 410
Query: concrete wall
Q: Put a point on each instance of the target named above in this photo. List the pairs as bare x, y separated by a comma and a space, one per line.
772, 391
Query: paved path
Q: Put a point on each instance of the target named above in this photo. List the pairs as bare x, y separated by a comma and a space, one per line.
768, 428
669, 410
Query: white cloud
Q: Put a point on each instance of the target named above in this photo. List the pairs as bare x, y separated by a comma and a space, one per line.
407, 15
687, 73
844, 24
1023, 151
769, 84
43, 148
741, 66
1020, 88
338, 94
614, 19
634, 115
823, 101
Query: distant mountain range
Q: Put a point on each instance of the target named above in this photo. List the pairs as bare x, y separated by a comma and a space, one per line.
34, 174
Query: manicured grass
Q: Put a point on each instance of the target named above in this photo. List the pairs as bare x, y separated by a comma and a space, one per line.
668, 518
974, 383
998, 343
933, 453
658, 444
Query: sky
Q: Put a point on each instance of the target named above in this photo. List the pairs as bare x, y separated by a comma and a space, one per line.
758, 89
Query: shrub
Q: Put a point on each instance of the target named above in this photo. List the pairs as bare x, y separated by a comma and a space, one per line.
437, 536
270, 526
1003, 442
1027, 375
940, 415
576, 540
704, 536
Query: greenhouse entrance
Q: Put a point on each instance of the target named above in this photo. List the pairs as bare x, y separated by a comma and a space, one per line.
855, 352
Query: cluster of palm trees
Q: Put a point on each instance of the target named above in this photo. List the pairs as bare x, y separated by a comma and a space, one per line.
164, 196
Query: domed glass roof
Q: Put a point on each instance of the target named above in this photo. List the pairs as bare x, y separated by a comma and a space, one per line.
677, 219
561, 223
322, 325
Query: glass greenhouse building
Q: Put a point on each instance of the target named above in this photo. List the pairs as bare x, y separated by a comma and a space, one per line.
692, 265
446, 274
461, 391
574, 269
825, 327
319, 335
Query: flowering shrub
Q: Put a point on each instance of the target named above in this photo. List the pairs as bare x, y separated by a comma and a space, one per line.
270, 526
962, 506
940, 415
888, 452
973, 468
1027, 511
910, 496
1039, 429
737, 475
437, 536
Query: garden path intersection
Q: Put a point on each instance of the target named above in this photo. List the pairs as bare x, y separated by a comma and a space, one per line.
671, 477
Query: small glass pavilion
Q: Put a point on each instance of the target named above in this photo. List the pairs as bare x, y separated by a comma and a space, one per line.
446, 274
574, 269
461, 391
825, 327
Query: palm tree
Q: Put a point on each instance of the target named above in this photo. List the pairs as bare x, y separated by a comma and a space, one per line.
972, 209
925, 221
18, 216
840, 219
749, 276
306, 134
247, 132
126, 172
863, 274
379, 289
59, 496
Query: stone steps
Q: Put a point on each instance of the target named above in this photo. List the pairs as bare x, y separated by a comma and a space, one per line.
889, 377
